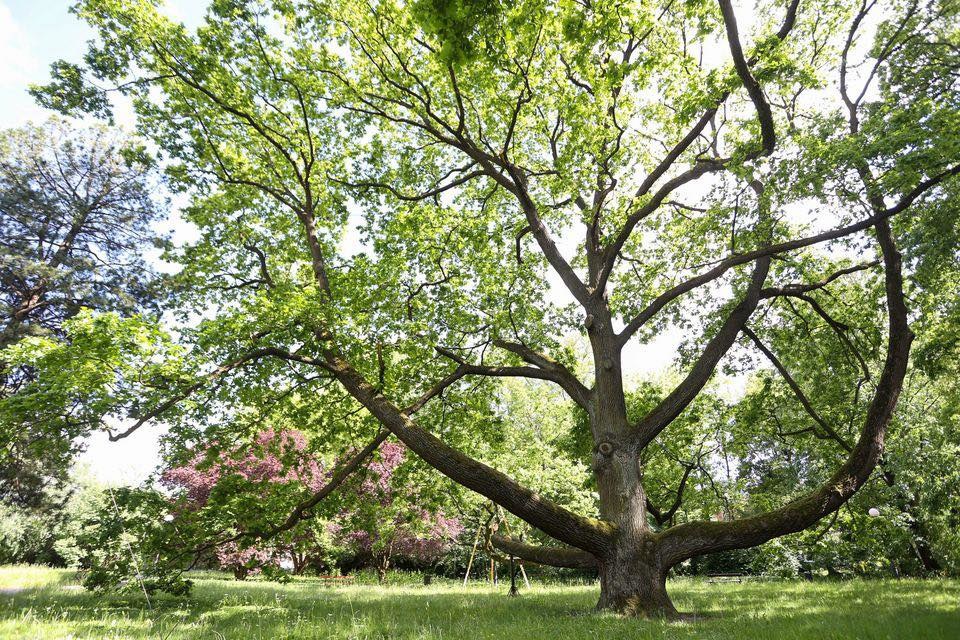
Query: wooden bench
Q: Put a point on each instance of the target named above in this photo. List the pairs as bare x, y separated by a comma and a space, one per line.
724, 577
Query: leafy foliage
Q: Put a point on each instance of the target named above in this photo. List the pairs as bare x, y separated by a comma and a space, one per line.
77, 208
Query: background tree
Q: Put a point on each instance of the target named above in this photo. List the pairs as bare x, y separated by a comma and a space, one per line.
391, 517
77, 209
703, 176
232, 502
224, 492
47, 534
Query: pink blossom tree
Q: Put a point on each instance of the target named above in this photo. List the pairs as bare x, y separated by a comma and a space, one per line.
241, 490
224, 493
388, 521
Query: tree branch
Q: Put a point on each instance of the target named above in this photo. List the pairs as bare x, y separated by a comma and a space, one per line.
545, 369
725, 265
764, 114
302, 511
566, 557
797, 391
584, 533
437, 389
684, 393
560, 374
414, 197
613, 250
217, 373
794, 288
839, 328
662, 517
697, 538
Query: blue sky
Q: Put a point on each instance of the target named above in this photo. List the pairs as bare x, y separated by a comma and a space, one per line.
34, 33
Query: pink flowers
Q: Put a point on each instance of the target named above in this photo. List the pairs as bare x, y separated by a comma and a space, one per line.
244, 561
257, 485
387, 519
381, 468
264, 462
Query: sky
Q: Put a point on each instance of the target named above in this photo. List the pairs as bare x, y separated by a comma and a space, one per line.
35, 33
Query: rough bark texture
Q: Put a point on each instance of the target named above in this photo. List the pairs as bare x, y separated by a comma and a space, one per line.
566, 557
633, 580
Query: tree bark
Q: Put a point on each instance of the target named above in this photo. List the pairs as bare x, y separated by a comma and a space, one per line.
633, 581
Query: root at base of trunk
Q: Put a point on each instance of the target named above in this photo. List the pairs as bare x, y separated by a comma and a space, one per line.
640, 606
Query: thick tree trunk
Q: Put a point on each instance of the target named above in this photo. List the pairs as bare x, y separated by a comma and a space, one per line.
633, 582
632, 560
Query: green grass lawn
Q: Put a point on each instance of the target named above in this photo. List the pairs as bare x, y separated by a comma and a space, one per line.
45, 603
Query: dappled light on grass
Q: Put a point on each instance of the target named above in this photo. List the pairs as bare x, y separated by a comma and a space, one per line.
36, 605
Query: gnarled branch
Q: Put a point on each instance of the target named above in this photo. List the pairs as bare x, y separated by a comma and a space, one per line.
584, 533
697, 538
543, 368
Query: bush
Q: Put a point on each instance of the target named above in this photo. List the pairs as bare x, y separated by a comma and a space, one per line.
775, 559
127, 545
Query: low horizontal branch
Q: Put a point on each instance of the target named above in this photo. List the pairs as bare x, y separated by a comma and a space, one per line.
564, 557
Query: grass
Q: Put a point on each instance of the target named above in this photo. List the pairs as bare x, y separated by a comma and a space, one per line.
39, 603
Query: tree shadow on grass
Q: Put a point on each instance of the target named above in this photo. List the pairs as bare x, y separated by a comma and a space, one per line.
849, 609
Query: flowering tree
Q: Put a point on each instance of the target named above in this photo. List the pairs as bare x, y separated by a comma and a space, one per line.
386, 520
234, 490
231, 494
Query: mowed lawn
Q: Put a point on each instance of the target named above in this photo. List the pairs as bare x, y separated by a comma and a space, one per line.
44, 603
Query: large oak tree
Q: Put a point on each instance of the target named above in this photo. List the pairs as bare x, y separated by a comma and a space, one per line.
398, 199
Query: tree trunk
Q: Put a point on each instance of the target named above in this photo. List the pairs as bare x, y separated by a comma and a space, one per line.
299, 563
921, 545
383, 565
632, 560
633, 582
